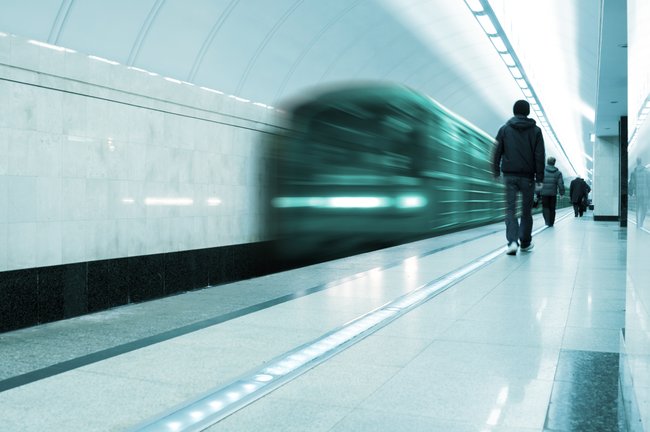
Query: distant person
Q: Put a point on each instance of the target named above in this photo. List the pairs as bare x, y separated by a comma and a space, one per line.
640, 187
519, 155
579, 191
553, 184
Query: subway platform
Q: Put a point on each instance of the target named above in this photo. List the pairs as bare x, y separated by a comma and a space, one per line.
445, 334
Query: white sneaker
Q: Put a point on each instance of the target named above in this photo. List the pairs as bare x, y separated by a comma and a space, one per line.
512, 249
528, 248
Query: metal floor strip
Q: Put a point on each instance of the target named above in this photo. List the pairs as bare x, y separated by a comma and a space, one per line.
97, 356
217, 404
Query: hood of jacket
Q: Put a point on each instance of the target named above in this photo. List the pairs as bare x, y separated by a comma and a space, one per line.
521, 122
550, 168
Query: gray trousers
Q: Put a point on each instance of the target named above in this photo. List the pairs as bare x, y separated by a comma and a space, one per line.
516, 231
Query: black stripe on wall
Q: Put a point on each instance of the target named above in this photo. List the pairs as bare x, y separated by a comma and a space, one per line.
44, 294
605, 218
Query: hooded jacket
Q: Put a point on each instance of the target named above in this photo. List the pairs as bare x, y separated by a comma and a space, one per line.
519, 149
553, 181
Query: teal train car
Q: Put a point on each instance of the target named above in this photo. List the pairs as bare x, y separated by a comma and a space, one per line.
372, 165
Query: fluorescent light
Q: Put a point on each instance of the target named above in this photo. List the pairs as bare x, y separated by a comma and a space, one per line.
50, 46
79, 139
173, 80
142, 70
486, 23
102, 59
168, 201
211, 90
237, 98
592, 137
213, 201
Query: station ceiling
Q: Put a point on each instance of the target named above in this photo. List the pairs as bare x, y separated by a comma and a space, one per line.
266, 51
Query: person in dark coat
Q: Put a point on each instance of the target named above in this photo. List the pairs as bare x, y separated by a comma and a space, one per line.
640, 188
578, 191
553, 184
519, 155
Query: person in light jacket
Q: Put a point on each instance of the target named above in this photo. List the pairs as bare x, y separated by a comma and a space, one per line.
553, 184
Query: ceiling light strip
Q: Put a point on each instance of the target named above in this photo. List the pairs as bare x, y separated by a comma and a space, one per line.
488, 21
221, 402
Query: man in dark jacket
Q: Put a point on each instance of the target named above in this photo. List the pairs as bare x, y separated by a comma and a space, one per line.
578, 191
553, 183
519, 155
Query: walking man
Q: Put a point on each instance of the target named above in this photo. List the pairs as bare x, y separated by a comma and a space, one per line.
519, 155
553, 183
579, 191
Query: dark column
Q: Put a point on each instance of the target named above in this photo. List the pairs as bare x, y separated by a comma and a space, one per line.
622, 136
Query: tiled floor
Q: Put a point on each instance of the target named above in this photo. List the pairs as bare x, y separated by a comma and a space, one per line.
523, 344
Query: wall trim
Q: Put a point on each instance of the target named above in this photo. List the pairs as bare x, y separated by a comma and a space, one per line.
606, 218
44, 294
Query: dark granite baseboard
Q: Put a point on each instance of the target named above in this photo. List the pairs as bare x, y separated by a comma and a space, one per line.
585, 393
606, 218
39, 295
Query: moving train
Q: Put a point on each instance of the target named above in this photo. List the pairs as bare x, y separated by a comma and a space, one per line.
372, 165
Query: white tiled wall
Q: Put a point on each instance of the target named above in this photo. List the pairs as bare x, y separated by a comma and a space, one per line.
605, 195
102, 161
637, 311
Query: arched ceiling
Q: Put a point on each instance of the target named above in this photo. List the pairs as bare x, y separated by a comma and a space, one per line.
268, 50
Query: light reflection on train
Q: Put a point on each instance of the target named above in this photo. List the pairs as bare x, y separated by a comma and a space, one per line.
372, 165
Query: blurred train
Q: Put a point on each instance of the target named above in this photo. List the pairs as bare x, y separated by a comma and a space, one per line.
372, 165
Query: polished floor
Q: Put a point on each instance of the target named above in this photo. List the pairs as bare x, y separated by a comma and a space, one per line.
516, 343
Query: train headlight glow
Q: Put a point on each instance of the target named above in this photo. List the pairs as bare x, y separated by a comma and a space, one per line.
358, 202
351, 202
411, 201
333, 202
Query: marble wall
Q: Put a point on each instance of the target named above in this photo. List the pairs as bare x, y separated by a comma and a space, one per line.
99, 161
636, 344
605, 195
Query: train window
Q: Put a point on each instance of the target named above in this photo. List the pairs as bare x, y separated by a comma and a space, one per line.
360, 139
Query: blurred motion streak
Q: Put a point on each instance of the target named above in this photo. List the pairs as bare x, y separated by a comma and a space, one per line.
373, 164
